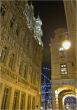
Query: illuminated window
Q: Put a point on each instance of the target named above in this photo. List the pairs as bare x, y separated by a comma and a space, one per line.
63, 69
5, 99
61, 52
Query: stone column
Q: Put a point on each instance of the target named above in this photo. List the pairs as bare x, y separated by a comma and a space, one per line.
26, 104
53, 100
19, 103
1, 93
11, 99
57, 105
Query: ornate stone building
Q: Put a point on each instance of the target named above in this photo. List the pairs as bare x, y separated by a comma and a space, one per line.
63, 62
20, 56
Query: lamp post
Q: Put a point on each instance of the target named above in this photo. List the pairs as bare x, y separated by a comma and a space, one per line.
66, 44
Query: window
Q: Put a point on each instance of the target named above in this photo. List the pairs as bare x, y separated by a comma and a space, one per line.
33, 103
22, 105
16, 100
25, 72
34, 77
21, 68
29, 103
61, 52
11, 62
63, 69
5, 99
2, 10
3, 54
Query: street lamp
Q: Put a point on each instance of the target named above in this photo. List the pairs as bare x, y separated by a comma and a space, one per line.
66, 44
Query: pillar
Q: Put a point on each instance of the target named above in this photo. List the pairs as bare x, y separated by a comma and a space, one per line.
11, 99
1, 93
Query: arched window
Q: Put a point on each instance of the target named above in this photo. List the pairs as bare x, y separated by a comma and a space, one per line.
3, 54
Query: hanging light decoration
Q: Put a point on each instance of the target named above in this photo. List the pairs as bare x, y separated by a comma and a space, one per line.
66, 44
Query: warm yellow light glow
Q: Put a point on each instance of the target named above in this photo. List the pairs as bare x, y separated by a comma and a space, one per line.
66, 44
56, 92
61, 49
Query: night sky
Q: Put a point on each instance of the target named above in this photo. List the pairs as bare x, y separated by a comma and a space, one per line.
53, 16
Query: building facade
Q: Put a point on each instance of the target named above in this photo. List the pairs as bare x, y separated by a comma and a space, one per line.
63, 62
20, 56
63, 74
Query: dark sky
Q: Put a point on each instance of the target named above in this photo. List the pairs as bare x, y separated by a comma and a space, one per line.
53, 16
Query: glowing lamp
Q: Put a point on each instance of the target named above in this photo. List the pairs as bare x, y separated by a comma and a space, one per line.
66, 44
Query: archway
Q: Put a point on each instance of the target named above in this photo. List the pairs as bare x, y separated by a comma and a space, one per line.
70, 102
63, 92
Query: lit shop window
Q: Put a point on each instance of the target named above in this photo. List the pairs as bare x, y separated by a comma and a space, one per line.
63, 68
